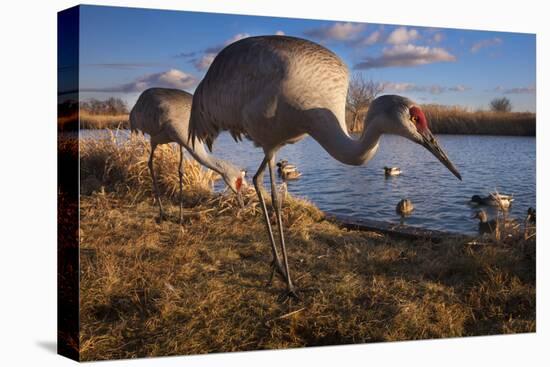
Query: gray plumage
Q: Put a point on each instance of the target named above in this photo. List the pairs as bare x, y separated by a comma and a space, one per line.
164, 114
276, 89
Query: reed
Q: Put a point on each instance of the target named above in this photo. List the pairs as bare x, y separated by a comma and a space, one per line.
93, 121
121, 165
458, 120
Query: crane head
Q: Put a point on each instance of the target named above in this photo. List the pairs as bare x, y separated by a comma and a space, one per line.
236, 180
403, 117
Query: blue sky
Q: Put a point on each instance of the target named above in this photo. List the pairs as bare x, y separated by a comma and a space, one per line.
125, 50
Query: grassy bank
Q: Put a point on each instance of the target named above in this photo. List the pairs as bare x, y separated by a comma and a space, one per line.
151, 289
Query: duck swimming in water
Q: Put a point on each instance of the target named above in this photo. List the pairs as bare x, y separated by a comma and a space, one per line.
392, 171
287, 171
404, 207
290, 175
494, 199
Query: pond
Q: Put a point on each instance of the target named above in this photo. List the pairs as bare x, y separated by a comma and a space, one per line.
487, 163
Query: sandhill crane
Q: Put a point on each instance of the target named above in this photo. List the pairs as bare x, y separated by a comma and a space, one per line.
275, 90
164, 114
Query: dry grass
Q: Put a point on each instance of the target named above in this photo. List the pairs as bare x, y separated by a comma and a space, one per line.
90, 121
151, 289
121, 165
457, 120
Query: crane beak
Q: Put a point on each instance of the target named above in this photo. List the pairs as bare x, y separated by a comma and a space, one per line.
240, 199
429, 142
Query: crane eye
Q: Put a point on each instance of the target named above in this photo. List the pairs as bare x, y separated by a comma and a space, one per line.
414, 119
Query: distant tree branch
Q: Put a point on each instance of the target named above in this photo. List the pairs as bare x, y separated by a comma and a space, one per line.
501, 105
111, 106
361, 93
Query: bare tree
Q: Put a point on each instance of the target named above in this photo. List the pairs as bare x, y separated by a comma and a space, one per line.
111, 106
361, 92
501, 105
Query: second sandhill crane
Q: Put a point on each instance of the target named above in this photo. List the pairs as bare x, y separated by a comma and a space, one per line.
163, 113
276, 89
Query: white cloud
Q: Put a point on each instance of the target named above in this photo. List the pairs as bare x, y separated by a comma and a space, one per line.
204, 61
398, 87
485, 43
406, 55
404, 87
337, 31
516, 90
172, 78
369, 40
402, 35
438, 37
235, 38
217, 48
459, 88
279, 33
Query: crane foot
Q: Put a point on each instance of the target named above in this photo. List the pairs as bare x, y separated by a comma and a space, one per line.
290, 294
276, 266
160, 218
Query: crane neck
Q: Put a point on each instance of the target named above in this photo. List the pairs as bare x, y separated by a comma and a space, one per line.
330, 131
200, 154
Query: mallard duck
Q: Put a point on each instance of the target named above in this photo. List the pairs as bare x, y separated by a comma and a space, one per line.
392, 171
290, 175
404, 207
485, 225
531, 216
287, 171
494, 199
490, 226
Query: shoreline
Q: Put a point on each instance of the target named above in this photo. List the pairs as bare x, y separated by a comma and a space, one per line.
463, 123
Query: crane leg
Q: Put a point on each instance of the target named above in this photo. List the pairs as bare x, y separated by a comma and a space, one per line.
275, 201
180, 171
276, 263
155, 186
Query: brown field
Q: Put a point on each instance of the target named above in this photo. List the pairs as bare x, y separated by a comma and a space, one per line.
150, 289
